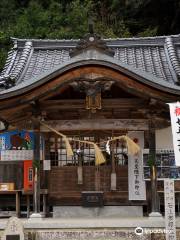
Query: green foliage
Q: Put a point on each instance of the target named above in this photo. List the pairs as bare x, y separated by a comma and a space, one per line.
36, 163
104, 31
148, 32
3, 56
69, 19
151, 160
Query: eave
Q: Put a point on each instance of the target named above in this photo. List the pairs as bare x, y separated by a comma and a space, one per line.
92, 58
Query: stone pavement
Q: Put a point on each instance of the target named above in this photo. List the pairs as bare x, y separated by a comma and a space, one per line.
63, 223
92, 228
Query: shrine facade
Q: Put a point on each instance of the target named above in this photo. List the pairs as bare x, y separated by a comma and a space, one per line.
88, 90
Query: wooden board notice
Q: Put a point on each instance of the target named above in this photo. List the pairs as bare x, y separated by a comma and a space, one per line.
170, 219
136, 183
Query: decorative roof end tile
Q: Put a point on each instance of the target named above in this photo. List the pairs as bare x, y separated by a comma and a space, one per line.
92, 41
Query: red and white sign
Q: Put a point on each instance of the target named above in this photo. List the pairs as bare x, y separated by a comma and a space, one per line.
175, 124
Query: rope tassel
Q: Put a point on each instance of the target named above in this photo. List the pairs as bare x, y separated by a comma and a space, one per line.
68, 146
132, 147
99, 157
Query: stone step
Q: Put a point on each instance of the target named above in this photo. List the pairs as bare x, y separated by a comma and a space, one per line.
93, 234
102, 212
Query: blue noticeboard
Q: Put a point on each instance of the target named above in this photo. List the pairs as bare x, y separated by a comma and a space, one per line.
17, 140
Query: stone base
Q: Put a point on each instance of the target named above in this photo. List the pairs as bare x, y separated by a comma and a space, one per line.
35, 216
106, 211
93, 234
155, 214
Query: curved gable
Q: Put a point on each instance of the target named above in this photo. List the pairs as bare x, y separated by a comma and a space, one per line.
157, 57
87, 59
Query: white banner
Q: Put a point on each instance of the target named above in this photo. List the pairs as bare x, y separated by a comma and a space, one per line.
175, 124
137, 188
170, 219
15, 155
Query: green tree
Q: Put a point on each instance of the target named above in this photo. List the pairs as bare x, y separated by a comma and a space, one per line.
69, 19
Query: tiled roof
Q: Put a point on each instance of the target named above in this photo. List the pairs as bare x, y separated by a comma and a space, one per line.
156, 56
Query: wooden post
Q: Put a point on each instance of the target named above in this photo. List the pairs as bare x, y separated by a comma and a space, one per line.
113, 173
36, 164
97, 178
80, 166
113, 157
17, 203
97, 171
80, 174
153, 170
44, 204
28, 204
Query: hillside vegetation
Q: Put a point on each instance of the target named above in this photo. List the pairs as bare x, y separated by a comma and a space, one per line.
69, 19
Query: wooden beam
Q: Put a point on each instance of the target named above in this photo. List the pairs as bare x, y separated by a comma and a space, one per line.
119, 103
98, 124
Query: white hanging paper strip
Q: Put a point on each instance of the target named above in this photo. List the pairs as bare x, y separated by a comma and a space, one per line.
175, 124
137, 189
170, 219
46, 165
108, 148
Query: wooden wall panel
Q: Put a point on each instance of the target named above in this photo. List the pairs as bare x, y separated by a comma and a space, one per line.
12, 172
64, 189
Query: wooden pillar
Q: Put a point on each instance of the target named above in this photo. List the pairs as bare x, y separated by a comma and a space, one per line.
113, 173
97, 171
97, 178
113, 157
28, 204
44, 205
17, 203
36, 164
153, 169
80, 166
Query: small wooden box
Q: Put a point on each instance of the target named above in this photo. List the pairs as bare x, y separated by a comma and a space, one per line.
6, 186
92, 199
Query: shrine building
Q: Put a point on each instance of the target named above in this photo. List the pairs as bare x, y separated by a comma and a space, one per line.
83, 92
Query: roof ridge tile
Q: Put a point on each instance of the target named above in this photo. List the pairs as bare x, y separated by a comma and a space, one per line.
172, 55
22, 61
